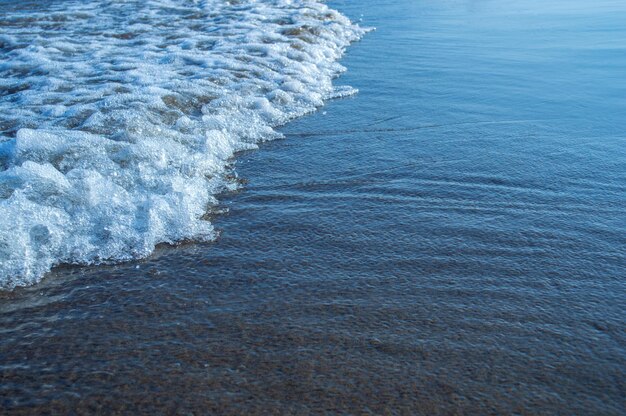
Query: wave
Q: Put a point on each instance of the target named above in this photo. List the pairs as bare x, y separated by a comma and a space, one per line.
118, 119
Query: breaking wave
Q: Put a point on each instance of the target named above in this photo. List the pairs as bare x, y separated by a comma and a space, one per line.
118, 118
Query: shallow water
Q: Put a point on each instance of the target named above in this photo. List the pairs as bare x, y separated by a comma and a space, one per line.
450, 240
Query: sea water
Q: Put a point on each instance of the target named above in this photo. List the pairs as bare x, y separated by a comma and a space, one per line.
450, 240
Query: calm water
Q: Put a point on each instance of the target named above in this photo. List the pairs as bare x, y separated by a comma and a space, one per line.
452, 240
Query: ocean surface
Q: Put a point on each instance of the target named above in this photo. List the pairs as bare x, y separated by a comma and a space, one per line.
450, 240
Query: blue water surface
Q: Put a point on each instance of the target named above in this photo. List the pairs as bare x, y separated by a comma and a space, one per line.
452, 240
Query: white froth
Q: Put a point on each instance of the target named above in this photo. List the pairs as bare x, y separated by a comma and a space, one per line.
118, 119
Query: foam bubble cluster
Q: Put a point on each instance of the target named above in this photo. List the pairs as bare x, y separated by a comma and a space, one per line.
118, 118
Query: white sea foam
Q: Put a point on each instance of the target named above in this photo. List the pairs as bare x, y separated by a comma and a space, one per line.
118, 118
